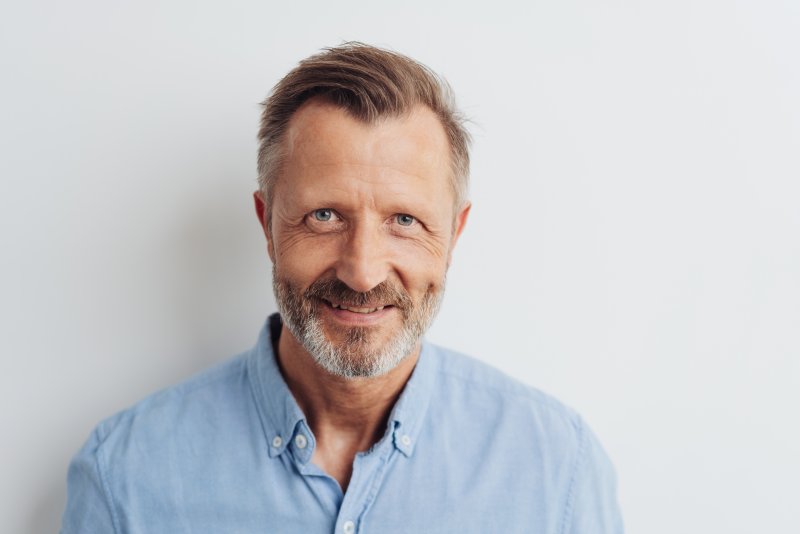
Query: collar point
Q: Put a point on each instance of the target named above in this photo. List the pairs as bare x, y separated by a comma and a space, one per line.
403, 442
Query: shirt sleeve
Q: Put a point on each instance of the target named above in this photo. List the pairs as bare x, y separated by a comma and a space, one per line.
592, 505
88, 509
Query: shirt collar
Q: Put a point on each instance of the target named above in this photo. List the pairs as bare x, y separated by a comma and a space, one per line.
280, 414
283, 419
409, 411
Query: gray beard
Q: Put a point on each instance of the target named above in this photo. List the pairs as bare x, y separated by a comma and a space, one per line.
359, 355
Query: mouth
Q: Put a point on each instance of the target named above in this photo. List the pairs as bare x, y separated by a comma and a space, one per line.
369, 314
357, 309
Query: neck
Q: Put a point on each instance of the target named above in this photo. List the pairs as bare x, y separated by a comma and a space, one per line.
346, 415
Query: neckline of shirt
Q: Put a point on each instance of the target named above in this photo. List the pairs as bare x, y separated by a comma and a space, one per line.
283, 420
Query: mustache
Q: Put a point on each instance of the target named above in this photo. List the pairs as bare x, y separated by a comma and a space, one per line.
384, 294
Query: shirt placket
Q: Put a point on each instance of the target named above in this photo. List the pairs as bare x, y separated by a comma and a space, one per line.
369, 470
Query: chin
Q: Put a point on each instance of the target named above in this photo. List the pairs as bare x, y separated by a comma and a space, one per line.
358, 356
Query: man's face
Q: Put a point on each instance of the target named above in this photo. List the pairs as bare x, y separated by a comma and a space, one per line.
362, 231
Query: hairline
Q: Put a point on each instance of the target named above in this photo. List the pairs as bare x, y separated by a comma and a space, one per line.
277, 152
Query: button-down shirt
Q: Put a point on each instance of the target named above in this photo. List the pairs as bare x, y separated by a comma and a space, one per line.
466, 449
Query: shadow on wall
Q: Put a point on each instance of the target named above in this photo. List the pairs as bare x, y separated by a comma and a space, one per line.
209, 284
45, 515
219, 278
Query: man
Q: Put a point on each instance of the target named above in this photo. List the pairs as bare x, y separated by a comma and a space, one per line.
341, 419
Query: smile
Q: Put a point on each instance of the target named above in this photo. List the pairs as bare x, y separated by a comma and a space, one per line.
343, 310
340, 306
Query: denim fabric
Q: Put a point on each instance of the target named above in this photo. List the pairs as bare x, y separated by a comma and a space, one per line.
466, 449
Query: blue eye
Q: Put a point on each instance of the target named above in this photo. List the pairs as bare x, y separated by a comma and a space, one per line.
323, 215
405, 219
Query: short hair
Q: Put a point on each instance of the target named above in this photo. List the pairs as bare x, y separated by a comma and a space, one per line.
369, 83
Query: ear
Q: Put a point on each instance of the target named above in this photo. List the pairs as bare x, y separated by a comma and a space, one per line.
460, 222
263, 214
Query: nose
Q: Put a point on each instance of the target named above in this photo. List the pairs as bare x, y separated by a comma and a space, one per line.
363, 262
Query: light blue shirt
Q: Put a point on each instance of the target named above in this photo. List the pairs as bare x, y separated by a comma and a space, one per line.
466, 449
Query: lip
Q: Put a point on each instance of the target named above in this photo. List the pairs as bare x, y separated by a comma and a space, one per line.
349, 318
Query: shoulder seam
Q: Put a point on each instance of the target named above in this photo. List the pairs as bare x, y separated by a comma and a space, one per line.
210, 376
525, 392
100, 461
206, 378
570, 502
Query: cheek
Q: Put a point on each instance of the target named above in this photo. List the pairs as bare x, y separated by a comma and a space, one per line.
421, 270
304, 260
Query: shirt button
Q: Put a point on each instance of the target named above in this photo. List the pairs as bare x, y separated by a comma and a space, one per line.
277, 441
405, 440
349, 527
301, 441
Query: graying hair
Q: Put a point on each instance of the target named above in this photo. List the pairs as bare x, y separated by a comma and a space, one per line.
370, 83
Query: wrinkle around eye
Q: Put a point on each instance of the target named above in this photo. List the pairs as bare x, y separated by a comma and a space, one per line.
419, 236
292, 231
289, 238
417, 228
431, 246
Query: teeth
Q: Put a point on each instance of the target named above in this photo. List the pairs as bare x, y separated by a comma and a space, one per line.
358, 310
340, 306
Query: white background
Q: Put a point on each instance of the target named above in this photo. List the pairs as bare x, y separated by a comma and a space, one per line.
633, 247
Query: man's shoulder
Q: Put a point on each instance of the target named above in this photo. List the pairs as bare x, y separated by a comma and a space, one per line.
188, 406
533, 440
476, 387
475, 373
167, 447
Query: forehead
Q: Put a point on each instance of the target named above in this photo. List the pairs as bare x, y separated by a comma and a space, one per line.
321, 134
